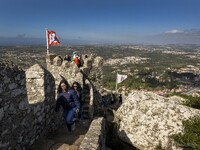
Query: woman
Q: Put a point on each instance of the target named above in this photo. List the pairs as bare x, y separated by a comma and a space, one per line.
68, 99
78, 90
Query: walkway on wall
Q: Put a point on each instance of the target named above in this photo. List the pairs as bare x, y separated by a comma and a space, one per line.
62, 139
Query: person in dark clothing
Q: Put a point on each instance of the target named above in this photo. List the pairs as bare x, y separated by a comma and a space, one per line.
67, 58
120, 98
78, 90
68, 99
112, 99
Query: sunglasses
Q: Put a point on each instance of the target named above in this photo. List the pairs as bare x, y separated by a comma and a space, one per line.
75, 86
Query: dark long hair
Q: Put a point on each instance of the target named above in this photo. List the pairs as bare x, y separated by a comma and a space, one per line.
59, 89
78, 86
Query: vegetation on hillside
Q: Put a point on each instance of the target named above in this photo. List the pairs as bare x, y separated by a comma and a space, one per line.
157, 63
140, 76
142, 81
191, 101
190, 138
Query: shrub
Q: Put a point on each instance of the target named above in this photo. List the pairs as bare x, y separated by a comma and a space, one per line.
191, 101
190, 138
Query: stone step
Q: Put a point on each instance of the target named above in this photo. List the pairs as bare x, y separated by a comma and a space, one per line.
86, 98
60, 146
85, 107
62, 139
85, 116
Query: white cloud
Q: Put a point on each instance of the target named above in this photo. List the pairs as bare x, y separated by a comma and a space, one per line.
174, 31
175, 36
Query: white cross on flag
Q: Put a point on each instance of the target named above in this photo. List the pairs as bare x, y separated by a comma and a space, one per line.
121, 78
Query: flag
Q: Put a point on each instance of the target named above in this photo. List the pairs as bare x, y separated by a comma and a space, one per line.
52, 39
121, 78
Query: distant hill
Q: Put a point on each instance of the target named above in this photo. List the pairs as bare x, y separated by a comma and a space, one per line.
11, 41
152, 40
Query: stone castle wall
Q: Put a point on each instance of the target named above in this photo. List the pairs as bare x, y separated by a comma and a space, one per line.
26, 107
95, 137
91, 69
27, 98
89, 75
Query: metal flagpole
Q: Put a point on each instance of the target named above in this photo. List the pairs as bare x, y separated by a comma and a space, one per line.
47, 41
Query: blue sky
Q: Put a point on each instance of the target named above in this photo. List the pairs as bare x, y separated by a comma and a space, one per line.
118, 21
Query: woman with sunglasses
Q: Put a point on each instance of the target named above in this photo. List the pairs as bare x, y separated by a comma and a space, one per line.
68, 99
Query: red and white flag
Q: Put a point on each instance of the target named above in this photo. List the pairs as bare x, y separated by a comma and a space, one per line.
52, 39
121, 78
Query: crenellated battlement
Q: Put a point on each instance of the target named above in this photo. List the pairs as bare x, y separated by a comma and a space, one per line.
27, 98
27, 102
92, 68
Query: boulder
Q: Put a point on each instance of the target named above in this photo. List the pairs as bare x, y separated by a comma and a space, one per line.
147, 120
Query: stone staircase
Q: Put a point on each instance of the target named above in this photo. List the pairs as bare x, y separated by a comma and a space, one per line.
86, 97
62, 139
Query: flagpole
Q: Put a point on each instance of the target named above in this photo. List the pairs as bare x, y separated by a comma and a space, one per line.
47, 41
116, 83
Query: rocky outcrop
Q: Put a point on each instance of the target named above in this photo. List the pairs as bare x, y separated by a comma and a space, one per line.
147, 120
